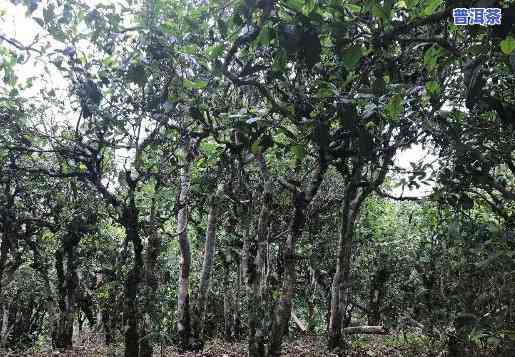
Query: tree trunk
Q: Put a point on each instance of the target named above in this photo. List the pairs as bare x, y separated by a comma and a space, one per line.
4, 327
4, 249
282, 310
311, 303
51, 303
66, 263
301, 200
106, 324
63, 329
228, 321
5, 246
183, 298
341, 280
151, 281
99, 277
207, 265
254, 283
255, 336
132, 311
377, 292
236, 332
107, 312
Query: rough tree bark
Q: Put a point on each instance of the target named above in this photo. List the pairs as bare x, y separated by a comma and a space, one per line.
4, 249
314, 224
132, 309
66, 264
301, 200
228, 303
183, 299
207, 264
255, 299
282, 311
6, 245
67, 282
4, 327
356, 191
151, 278
231, 289
236, 325
341, 280
377, 293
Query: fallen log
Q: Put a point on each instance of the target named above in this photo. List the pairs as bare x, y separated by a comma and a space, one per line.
376, 330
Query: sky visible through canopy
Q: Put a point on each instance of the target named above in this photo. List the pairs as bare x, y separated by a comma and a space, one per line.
15, 24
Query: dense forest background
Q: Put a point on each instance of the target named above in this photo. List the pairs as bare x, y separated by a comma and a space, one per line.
224, 178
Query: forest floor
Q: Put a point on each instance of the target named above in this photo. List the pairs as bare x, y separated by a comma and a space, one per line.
307, 346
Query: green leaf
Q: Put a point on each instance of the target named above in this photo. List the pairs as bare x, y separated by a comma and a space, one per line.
108, 61
430, 7
508, 45
265, 37
431, 57
394, 108
353, 7
387, 8
14, 92
377, 10
195, 84
255, 148
370, 125
48, 13
299, 151
215, 51
433, 88
58, 33
351, 57
325, 91
190, 49
39, 21
279, 61
296, 5
309, 5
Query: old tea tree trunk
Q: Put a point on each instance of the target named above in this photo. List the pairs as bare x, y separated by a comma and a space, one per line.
66, 264
184, 329
341, 280
152, 270
283, 308
301, 200
355, 193
207, 265
256, 262
134, 339
377, 291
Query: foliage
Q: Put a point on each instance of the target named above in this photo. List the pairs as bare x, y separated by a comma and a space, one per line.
269, 130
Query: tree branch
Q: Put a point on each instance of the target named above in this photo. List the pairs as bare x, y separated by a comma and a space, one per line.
387, 37
400, 198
